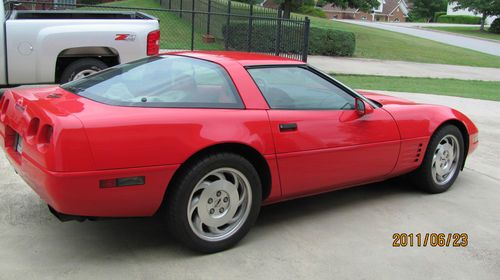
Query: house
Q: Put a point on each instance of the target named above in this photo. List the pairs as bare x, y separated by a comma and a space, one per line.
453, 5
388, 10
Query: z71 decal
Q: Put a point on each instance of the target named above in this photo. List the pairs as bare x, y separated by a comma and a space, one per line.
124, 37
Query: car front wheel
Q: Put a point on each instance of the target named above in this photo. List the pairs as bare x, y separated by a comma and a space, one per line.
442, 162
214, 202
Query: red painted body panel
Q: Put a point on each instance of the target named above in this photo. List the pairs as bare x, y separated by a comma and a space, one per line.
339, 147
93, 141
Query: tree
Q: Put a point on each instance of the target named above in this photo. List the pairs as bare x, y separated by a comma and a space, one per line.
485, 7
290, 5
426, 9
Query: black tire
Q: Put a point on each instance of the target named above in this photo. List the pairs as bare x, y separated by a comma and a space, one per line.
79, 66
423, 177
179, 197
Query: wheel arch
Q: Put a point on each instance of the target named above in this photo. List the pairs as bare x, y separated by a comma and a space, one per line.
249, 153
108, 55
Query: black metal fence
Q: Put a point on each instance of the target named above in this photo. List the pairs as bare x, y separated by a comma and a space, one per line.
210, 25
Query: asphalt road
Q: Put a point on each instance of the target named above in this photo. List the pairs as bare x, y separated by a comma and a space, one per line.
341, 235
485, 46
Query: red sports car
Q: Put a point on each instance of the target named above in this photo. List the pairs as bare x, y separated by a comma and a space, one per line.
205, 138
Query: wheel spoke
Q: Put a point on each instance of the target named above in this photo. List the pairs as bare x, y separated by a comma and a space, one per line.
194, 205
198, 224
215, 230
201, 186
219, 175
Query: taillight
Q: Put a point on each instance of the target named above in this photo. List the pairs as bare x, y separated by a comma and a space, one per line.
45, 134
5, 105
32, 129
153, 47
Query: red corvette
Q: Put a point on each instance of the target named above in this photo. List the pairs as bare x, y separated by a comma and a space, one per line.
206, 138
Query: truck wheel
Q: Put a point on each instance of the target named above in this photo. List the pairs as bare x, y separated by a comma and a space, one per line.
214, 202
81, 68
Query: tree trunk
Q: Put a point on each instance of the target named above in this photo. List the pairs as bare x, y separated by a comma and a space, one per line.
483, 21
287, 8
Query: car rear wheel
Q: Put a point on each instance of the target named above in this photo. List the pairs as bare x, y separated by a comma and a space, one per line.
442, 162
81, 68
214, 202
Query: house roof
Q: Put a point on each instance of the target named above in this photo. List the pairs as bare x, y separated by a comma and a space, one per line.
333, 8
391, 5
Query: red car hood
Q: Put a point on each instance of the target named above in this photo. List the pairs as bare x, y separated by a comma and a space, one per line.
386, 99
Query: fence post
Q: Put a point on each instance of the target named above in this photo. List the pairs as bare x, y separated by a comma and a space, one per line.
192, 24
180, 8
278, 32
170, 4
250, 27
209, 10
228, 23
305, 50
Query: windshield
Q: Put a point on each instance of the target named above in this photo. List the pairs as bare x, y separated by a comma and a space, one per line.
161, 81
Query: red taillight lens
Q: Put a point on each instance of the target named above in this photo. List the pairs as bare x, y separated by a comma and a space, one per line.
4, 107
153, 42
45, 134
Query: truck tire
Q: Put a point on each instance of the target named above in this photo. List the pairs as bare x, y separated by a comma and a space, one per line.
81, 68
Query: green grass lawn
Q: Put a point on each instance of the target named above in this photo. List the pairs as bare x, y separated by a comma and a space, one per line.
461, 88
387, 45
370, 42
468, 30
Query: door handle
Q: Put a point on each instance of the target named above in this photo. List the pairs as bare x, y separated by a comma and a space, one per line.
288, 127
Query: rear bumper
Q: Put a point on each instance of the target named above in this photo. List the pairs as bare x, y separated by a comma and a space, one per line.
79, 193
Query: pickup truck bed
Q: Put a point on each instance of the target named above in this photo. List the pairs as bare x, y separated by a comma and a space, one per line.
18, 15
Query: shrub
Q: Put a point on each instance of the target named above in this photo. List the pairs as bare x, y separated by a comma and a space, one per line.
461, 19
412, 17
311, 11
495, 26
322, 41
437, 15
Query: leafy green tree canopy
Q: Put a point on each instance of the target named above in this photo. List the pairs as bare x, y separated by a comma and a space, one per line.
425, 9
484, 7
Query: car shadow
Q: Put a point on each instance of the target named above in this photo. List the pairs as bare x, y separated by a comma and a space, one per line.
150, 234
108, 239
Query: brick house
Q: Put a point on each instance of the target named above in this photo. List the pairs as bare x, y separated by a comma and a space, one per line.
389, 11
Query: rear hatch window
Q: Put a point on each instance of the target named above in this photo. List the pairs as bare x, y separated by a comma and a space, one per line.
163, 81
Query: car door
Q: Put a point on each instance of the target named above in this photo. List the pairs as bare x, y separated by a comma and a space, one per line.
321, 141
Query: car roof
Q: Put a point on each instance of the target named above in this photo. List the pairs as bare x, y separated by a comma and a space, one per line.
243, 58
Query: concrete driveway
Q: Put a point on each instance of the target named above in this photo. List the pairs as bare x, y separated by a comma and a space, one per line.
365, 66
340, 235
485, 46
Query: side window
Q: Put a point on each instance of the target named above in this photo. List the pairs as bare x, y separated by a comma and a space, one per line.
297, 88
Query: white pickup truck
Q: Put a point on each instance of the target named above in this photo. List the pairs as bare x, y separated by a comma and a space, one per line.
60, 46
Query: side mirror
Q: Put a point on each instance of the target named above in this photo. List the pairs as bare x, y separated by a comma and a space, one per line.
362, 108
